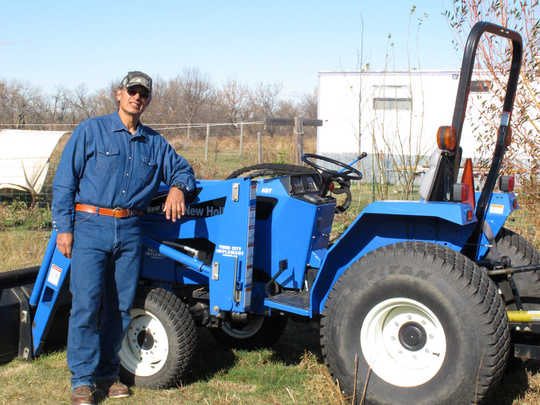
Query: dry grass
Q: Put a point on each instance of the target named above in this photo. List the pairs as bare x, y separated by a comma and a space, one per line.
22, 248
291, 374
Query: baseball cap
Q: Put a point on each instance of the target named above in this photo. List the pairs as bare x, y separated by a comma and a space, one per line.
137, 78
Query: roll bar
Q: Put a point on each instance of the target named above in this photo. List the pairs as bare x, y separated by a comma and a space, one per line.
461, 106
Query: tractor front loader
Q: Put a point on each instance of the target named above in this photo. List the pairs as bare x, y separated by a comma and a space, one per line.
419, 302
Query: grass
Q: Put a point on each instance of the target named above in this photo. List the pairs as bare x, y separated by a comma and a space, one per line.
22, 248
292, 373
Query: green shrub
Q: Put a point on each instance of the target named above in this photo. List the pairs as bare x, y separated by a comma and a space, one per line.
18, 215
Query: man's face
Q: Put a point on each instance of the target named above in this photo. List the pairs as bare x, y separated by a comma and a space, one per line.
133, 100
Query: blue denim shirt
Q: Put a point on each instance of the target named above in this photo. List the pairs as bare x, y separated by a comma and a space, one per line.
104, 165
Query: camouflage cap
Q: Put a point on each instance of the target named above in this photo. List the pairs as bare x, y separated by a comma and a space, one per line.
137, 78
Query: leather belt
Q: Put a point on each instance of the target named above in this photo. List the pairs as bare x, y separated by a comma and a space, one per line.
110, 212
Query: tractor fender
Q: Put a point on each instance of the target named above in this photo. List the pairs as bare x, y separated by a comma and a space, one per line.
387, 222
501, 205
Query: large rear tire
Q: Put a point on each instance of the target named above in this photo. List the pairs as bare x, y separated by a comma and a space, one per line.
160, 342
426, 325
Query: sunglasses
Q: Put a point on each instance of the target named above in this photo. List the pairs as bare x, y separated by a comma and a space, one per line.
144, 93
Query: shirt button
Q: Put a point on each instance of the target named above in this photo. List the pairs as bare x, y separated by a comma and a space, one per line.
107, 153
127, 174
129, 158
123, 191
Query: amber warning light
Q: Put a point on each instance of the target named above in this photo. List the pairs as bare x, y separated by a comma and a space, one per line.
446, 138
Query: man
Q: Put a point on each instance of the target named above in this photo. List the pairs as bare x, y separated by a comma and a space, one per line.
110, 169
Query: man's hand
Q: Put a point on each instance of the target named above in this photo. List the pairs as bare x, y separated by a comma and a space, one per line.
175, 206
64, 242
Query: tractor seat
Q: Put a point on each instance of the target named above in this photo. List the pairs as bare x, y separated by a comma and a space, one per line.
436, 182
427, 183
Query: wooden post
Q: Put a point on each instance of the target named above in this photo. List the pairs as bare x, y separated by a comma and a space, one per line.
207, 142
241, 138
299, 124
259, 147
299, 139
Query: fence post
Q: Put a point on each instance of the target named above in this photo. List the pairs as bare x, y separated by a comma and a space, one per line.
207, 142
299, 141
241, 138
259, 147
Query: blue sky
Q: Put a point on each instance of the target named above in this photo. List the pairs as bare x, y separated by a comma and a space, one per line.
60, 43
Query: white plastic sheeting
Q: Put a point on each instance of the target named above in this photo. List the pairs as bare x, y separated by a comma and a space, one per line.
25, 157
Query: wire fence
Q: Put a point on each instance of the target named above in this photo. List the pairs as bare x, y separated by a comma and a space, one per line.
213, 149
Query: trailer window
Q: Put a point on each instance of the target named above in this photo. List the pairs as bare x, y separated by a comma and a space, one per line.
392, 103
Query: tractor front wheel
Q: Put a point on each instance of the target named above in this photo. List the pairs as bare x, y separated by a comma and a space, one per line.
160, 341
415, 323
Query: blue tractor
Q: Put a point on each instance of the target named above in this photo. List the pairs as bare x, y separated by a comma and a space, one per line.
419, 302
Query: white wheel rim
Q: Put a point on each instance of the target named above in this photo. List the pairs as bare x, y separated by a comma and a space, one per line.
145, 347
403, 342
246, 331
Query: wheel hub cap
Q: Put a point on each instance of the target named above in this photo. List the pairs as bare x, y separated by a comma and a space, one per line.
412, 336
145, 340
403, 341
145, 347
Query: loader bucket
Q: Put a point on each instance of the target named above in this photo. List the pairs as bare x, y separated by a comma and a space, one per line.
15, 316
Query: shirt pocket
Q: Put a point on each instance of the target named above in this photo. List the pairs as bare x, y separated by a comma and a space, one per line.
108, 159
147, 170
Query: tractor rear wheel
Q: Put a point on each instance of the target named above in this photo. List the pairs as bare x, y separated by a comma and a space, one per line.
420, 324
160, 341
521, 253
259, 331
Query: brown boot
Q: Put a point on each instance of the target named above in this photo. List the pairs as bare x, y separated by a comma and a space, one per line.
82, 395
113, 389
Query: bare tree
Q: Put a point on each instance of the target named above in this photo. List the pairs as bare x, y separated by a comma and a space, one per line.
104, 100
157, 111
195, 91
494, 56
397, 141
60, 106
233, 98
24, 104
82, 102
309, 104
172, 100
265, 99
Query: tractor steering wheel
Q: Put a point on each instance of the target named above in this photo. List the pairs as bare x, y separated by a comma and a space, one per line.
350, 173
343, 178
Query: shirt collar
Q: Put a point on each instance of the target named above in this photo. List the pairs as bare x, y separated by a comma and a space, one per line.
117, 125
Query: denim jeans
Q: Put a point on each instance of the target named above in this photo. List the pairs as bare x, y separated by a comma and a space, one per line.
105, 265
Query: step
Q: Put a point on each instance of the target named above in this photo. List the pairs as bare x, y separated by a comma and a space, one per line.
296, 302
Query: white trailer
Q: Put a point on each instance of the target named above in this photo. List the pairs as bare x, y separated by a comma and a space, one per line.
391, 113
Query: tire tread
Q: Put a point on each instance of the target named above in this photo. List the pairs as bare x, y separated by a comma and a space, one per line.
475, 283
